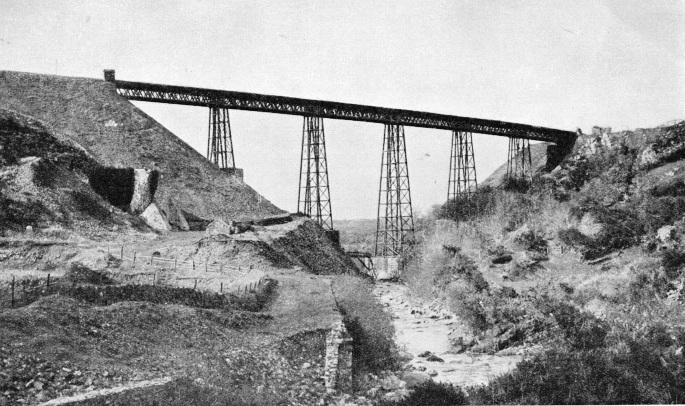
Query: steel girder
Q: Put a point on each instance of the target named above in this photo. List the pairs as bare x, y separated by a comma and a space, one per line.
151, 92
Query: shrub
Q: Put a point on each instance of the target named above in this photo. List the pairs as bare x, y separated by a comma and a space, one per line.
368, 323
434, 394
582, 330
584, 377
672, 260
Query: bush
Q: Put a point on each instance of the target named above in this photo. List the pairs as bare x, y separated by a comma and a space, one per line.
368, 323
585, 377
434, 394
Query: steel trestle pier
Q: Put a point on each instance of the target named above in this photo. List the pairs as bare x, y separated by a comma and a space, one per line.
395, 222
219, 141
519, 161
462, 178
314, 197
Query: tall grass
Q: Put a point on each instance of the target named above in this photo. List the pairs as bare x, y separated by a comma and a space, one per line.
368, 323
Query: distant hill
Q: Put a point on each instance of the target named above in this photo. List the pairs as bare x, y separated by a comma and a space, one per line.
116, 133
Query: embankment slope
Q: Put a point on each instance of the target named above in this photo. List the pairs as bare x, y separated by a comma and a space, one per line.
116, 133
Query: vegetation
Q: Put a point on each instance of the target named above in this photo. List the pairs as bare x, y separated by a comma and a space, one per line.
614, 327
368, 323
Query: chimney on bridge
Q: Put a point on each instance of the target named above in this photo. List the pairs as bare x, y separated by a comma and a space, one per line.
109, 75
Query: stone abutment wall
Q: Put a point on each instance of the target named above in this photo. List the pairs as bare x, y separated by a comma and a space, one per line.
338, 367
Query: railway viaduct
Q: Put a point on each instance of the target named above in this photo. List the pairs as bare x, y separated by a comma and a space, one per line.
395, 218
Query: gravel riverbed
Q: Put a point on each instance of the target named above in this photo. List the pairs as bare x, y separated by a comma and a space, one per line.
420, 329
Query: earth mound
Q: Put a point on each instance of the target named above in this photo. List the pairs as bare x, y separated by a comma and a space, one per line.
91, 116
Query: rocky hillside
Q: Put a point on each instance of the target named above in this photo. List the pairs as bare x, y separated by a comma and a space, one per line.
582, 271
93, 118
44, 184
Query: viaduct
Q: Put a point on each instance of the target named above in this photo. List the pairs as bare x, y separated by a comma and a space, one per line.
395, 219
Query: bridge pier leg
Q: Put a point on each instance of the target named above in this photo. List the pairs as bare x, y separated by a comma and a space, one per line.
219, 141
462, 181
313, 197
519, 162
395, 223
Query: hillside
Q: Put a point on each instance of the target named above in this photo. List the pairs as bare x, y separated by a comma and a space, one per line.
43, 179
116, 133
584, 273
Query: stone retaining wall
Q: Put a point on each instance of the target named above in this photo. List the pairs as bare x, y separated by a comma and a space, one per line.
338, 367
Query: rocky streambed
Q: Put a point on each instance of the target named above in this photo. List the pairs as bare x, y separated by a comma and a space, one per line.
425, 334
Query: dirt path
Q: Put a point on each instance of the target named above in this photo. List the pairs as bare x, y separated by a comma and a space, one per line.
418, 333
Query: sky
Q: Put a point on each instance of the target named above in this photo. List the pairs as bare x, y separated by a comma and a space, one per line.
564, 64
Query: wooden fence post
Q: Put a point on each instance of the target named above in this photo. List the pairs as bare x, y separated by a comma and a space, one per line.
134, 257
193, 264
12, 291
207, 265
48, 283
122, 252
195, 286
222, 287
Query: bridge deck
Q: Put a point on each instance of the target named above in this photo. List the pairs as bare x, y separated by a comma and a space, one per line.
193, 96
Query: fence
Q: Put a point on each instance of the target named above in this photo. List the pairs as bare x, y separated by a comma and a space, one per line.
25, 291
175, 264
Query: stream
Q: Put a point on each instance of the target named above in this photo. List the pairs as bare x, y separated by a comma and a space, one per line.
417, 333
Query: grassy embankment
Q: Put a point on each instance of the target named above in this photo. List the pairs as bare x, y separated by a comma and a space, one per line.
606, 301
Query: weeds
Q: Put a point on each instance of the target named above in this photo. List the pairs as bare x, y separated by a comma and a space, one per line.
368, 323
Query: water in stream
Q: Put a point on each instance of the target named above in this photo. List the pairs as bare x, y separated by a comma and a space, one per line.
418, 333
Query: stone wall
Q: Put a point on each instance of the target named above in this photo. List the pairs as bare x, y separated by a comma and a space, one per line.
338, 367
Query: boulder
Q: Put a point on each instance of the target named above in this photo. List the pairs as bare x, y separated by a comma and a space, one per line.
154, 218
217, 227
415, 378
666, 234
434, 358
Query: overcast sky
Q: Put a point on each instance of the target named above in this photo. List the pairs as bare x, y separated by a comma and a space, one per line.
561, 64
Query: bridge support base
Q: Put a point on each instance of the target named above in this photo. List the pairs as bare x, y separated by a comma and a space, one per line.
314, 197
462, 181
395, 223
519, 162
219, 141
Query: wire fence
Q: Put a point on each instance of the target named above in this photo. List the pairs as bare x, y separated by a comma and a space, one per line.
174, 264
21, 292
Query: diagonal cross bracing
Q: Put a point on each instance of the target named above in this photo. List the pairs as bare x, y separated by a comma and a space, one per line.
462, 176
519, 161
314, 196
395, 218
151, 92
219, 141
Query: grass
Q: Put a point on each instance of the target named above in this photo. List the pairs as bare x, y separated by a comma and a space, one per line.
368, 323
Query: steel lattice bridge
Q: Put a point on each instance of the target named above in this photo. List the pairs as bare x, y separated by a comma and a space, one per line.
395, 217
